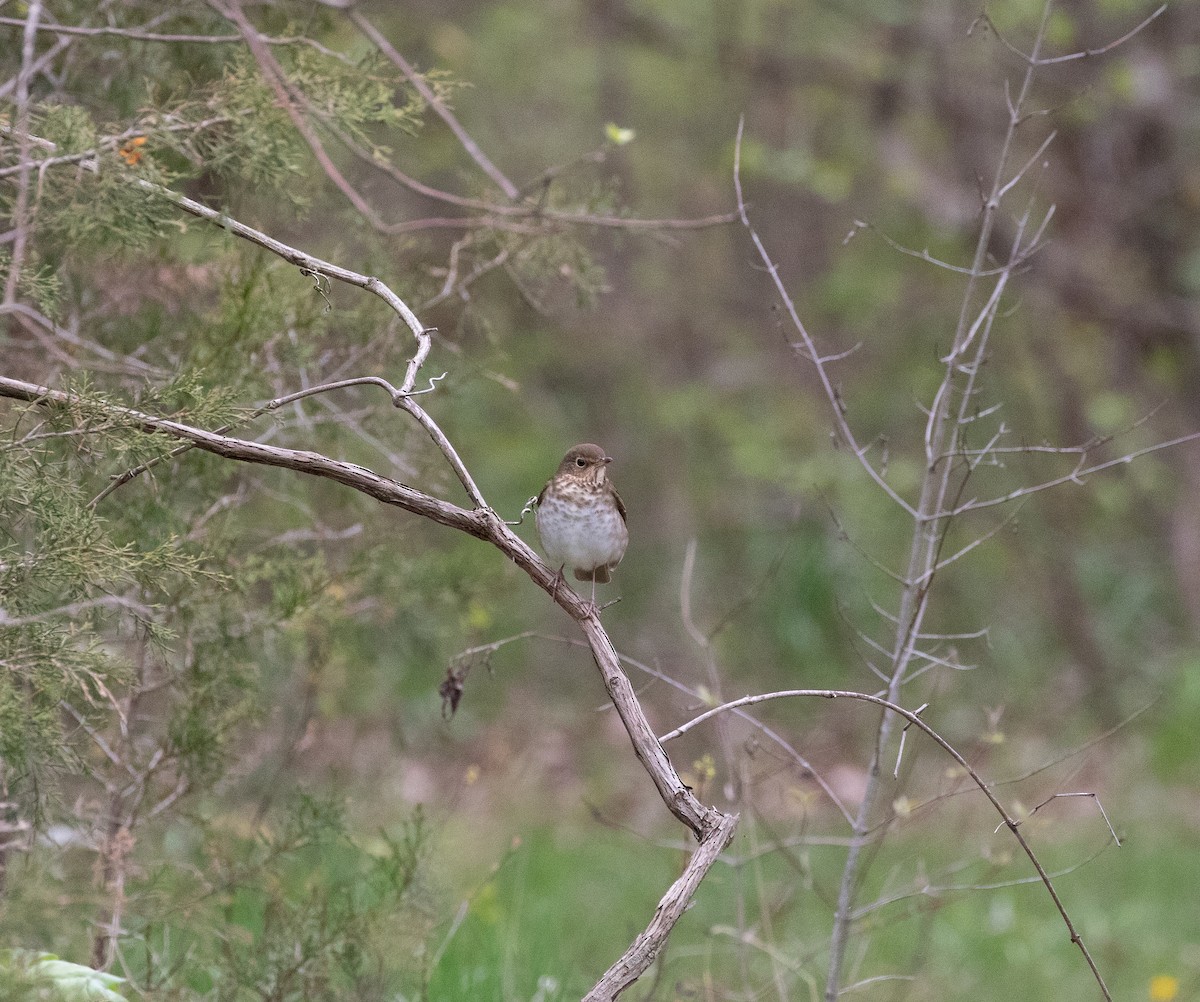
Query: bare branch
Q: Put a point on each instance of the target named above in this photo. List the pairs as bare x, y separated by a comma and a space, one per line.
1075, 476
74, 608
831, 394
649, 942
141, 35
476, 522
1035, 60
48, 332
380, 41
20, 212
914, 720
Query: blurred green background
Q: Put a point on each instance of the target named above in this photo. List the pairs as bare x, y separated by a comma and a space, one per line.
541, 848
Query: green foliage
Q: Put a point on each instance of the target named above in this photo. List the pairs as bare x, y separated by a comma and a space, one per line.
521, 939
95, 205
54, 554
236, 130
1174, 748
298, 910
212, 637
39, 283
361, 94
43, 977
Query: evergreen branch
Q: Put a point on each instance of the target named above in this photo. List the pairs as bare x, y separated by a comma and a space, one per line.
290, 100
474, 522
137, 471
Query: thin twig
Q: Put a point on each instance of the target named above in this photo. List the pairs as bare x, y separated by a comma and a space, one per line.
1076, 476
380, 41
831, 394
915, 720
20, 211
1035, 60
141, 35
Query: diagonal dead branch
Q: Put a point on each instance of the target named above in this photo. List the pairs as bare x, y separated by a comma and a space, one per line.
634, 962
712, 828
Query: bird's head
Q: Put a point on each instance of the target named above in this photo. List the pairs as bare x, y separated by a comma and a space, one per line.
585, 462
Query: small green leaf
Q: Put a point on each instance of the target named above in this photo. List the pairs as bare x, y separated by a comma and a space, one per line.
70, 982
618, 136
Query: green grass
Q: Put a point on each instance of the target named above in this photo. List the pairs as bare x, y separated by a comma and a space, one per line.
564, 906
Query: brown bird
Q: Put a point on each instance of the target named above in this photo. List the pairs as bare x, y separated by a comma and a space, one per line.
581, 518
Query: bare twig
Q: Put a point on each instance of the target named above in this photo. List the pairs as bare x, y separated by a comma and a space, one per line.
1076, 476
1035, 60
831, 394
1094, 797
74, 609
20, 212
914, 719
380, 42
48, 332
141, 35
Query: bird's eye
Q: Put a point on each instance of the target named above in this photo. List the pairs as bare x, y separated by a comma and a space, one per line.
581, 462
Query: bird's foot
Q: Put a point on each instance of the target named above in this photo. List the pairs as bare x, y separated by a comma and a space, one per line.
559, 580
593, 609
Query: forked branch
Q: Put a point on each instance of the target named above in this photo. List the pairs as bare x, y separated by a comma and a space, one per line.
712, 828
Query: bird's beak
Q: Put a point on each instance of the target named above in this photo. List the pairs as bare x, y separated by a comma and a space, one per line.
606, 460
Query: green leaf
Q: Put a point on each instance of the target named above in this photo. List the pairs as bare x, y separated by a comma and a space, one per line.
70, 982
617, 135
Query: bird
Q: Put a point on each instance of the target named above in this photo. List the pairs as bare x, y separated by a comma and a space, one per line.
581, 518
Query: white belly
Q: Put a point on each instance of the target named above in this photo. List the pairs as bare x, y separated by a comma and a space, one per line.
581, 538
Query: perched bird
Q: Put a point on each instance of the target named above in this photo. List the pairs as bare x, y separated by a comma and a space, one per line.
581, 518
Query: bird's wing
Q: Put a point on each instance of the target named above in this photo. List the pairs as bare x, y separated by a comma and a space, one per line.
542, 493
620, 504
